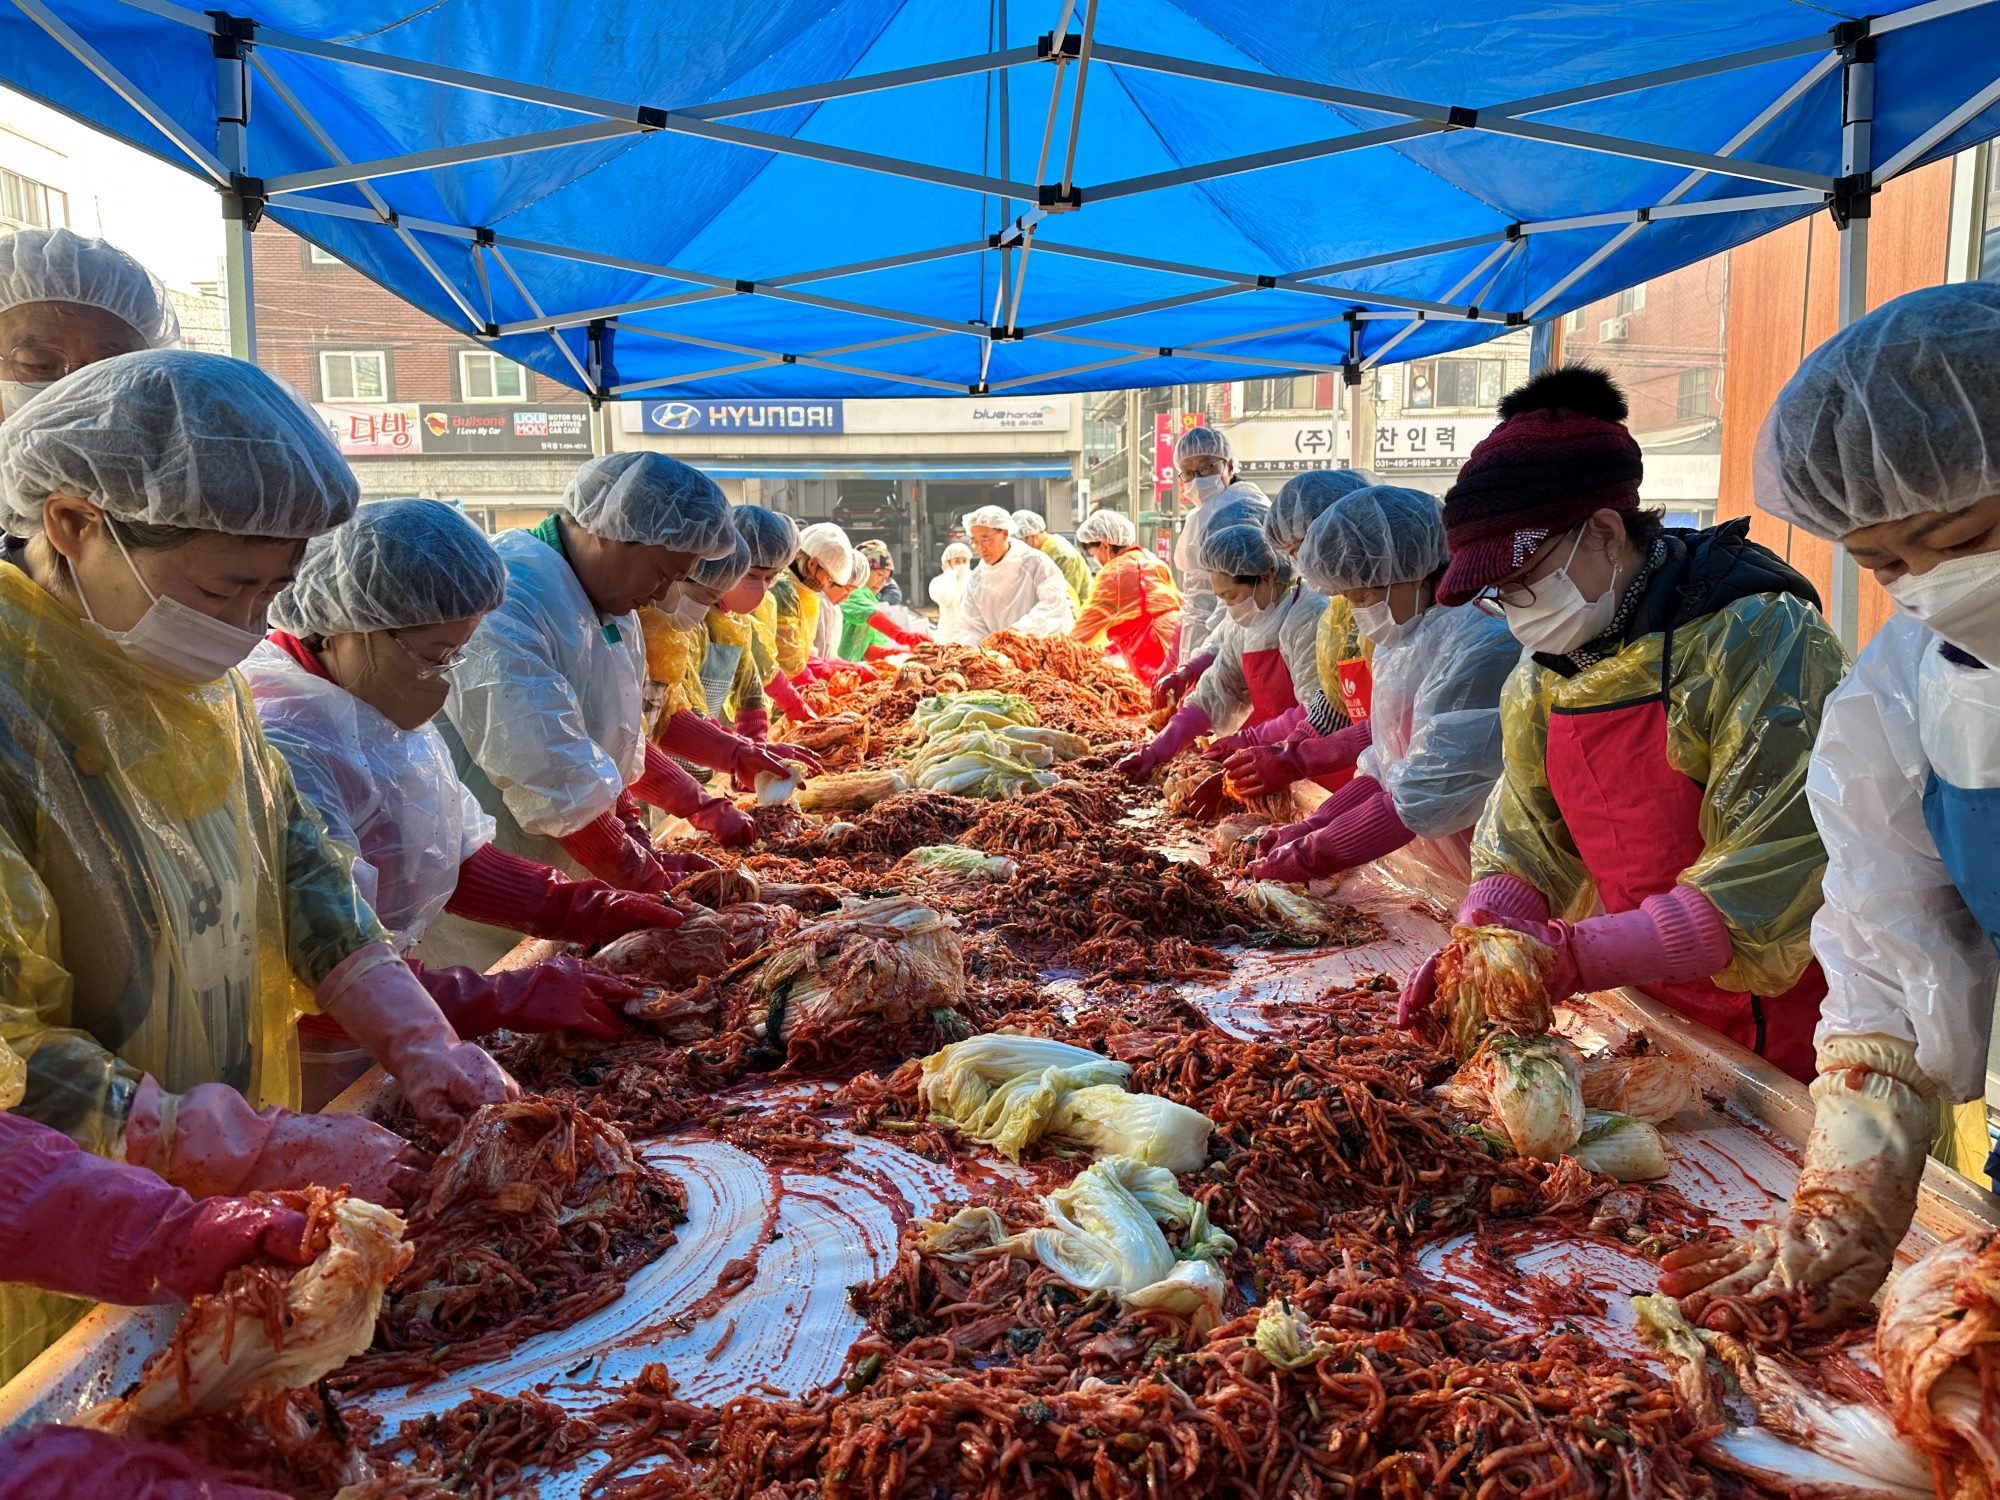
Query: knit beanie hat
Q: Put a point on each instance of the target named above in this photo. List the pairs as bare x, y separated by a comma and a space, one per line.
1560, 453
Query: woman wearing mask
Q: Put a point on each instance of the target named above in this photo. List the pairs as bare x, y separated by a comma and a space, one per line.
1132, 600
66, 302
1656, 736
1206, 465
1264, 656
868, 632
1886, 440
173, 903
738, 658
1319, 739
1434, 750
948, 588
366, 639
546, 717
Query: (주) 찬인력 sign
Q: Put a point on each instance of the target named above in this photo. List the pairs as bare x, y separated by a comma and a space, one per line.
742, 416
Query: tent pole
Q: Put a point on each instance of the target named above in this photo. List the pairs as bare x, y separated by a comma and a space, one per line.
239, 214
1851, 212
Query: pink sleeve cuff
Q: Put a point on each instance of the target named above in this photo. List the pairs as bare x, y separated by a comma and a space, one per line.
1673, 937
1367, 830
1324, 754
1277, 728
1503, 896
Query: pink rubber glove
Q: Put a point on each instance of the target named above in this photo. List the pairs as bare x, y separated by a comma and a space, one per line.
754, 724
46, 1462
377, 1000
726, 823
606, 848
1183, 729
1176, 684
85, 1226
1366, 828
209, 1141
1496, 901
561, 994
1291, 724
1673, 937
504, 890
1225, 745
781, 692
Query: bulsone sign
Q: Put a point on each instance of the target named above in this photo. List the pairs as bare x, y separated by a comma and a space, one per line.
494, 429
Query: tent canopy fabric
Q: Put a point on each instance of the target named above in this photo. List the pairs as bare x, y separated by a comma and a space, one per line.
815, 198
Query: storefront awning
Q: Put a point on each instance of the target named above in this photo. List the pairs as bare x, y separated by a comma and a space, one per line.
886, 469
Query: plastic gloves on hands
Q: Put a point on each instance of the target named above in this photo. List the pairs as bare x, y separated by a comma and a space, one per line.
1874, 1112
379, 1002
726, 823
1175, 685
1182, 730
562, 994
504, 890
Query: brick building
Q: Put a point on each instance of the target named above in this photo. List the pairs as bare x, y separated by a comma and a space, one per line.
417, 409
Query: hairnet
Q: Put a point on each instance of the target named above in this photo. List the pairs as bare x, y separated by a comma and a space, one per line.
1893, 416
956, 552
773, 537
1236, 510
54, 265
169, 437
1028, 523
1203, 442
1373, 538
397, 565
1107, 526
877, 552
827, 545
1244, 552
721, 574
1304, 497
651, 499
992, 516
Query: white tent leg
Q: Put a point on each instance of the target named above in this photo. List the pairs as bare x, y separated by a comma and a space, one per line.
232, 147
1844, 601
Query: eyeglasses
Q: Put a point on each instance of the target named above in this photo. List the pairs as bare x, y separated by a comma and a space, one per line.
39, 364
427, 669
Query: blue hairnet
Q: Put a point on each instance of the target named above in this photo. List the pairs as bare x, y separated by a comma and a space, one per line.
773, 537
397, 565
169, 437
1373, 538
1302, 500
1203, 442
1244, 552
1893, 416
1107, 526
723, 573
1239, 509
55, 265
654, 500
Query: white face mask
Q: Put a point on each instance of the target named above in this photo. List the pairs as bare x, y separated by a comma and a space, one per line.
1245, 611
15, 394
175, 641
1376, 621
1958, 601
1203, 488
1559, 619
684, 612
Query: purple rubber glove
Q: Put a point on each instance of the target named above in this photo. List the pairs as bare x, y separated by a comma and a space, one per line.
84, 1226
1182, 730
1673, 937
1367, 827
377, 1000
562, 994
40, 1463
1178, 683
1496, 901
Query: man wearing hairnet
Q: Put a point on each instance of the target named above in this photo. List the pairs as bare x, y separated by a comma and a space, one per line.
1887, 440
366, 638
1033, 530
1318, 739
1014, 587
1656, 731
800, 592
1205, 462
173, 904
67, 301
1133, 601
869, 630
1263, 656
545, 717
679, 644
1434, 750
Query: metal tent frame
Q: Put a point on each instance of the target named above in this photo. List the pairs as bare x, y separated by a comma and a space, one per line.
1328, 308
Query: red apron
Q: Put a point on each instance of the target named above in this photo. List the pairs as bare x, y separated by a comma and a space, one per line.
1636, 823
1146, 651
1270, 682
1357, 689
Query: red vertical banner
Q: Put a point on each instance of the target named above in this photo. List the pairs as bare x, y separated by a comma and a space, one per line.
1164, 435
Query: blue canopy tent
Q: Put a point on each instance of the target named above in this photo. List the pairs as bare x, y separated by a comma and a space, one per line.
811, 198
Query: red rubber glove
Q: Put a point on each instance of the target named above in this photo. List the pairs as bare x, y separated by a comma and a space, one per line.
209, 1141
882, 653
667, 787
862, 670
896, 632
699, 740
606, 848
1176, 684
754, 724
1182, 730
85, 1226
781, 692
563, 994
504, 890
726, 823
40, 1463
1366, 828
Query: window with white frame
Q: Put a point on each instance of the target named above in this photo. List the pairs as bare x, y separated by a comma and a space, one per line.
319, 257
28, 204
1631, 299
1445, 383
485, 376
1573, 320
353, 375
1691, 403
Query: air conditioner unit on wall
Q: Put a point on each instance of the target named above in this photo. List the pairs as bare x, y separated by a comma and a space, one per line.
1613, 330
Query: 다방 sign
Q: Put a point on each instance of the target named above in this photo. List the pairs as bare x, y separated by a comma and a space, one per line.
503, 429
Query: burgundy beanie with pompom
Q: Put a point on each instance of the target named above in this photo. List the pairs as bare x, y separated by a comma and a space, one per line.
1561, 451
